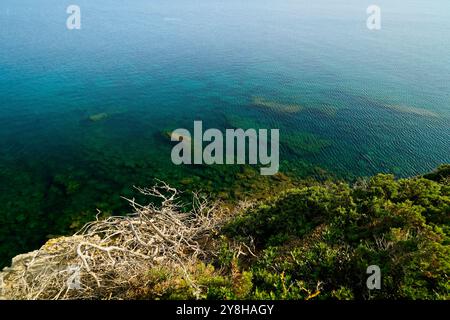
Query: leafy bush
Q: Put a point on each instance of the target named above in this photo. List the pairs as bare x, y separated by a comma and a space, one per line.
318, 241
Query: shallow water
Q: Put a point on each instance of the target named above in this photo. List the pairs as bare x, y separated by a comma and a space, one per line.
83, 113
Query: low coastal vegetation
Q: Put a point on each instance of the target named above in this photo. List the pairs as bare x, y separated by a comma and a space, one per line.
312, 241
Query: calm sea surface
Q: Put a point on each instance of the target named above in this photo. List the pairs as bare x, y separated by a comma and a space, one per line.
84, 113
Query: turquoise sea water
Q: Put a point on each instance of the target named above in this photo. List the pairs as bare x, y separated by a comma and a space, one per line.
366, 101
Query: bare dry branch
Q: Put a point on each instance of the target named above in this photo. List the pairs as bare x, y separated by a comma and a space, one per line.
108, 254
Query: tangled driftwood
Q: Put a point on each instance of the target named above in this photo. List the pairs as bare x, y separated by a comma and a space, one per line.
106, 256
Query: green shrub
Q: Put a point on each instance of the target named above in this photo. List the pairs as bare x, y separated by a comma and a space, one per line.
317, 242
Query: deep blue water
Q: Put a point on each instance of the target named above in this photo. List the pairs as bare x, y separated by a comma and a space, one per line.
369, 101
